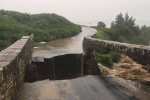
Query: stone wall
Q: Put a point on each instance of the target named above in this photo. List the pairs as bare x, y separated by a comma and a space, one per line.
13, 61
90, 66
139, 53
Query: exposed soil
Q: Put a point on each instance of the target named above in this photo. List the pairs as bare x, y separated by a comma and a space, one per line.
137, 76
130, 70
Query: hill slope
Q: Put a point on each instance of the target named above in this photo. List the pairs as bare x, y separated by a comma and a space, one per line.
45, 27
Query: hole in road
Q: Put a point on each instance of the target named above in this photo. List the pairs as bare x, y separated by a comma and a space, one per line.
67, 66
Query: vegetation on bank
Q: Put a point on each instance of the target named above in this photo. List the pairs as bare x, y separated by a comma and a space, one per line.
123, 29
109, 59
45, 27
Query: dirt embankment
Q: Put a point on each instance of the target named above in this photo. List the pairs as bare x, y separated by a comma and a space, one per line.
130, 70
133, 73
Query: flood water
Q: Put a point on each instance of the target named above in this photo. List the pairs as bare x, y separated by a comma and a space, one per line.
62, 46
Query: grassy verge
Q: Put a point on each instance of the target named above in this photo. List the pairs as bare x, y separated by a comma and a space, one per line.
37, 44
102, 35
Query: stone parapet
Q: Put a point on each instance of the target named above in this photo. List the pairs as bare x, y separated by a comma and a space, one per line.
13, 61
139, 53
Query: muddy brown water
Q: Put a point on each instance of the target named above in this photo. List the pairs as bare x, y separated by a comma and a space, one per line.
83, 88
62, 46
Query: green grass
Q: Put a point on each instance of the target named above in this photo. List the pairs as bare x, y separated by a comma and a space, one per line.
37, 44
102, 35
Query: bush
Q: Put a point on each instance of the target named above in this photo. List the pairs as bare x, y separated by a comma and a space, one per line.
107, 59
116, 57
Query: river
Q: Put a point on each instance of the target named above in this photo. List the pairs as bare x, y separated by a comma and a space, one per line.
62, 46
83, 88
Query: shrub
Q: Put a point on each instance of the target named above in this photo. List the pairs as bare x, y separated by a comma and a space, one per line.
107, 59
115, 56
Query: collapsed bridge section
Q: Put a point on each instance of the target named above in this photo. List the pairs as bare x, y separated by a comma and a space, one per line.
67, 66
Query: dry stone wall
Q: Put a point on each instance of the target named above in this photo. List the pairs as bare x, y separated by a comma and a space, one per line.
139, 53
13, 61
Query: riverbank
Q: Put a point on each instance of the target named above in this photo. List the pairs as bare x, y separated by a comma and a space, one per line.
45, 27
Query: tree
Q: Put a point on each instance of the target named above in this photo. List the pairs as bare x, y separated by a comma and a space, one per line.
126, 18
131, 23
101, 24
137, 30
119, 19
112, 24
143, 29
126, 21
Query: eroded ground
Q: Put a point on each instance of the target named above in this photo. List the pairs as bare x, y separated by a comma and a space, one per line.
137, 76
129, 69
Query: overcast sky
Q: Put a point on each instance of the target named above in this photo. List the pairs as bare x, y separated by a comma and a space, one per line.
84, 11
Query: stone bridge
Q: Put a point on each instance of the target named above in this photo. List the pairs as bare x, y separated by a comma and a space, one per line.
16, 58
16, 67
139, 53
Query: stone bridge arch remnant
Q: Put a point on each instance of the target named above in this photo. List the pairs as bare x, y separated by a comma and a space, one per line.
139, 53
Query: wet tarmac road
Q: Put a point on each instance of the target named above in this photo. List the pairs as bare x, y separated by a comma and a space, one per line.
84, 88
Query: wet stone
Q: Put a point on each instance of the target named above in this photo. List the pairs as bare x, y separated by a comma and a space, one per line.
138, 52
12, 67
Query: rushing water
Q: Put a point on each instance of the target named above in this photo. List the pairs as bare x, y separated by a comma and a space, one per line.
62, 46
